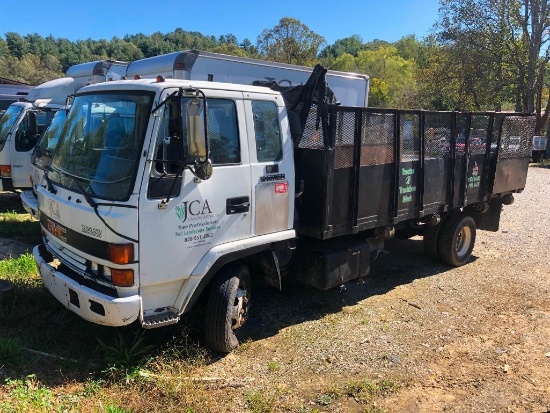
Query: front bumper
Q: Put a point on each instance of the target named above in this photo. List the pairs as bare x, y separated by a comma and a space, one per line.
30, 203
84, 301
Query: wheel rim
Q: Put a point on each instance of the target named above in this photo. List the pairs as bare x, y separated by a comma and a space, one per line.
240, 308
463, 241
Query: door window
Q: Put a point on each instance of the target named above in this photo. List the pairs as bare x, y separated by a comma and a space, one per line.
268, 134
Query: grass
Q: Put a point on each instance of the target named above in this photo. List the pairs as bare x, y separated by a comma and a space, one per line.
19, 227
21, 269
51, 360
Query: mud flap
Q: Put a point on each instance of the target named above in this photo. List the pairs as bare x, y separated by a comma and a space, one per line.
490, 220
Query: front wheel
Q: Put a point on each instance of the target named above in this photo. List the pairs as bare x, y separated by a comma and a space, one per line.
456, 239
227, 308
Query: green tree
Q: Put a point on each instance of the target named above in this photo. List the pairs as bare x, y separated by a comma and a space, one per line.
350, 45
393, 80
17, 45
290, 42
499, 48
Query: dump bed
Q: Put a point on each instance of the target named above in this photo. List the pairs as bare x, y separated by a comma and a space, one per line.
364, 168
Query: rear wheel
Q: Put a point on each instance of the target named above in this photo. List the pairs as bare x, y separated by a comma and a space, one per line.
431, 241
227, 308
456, 239
538, 156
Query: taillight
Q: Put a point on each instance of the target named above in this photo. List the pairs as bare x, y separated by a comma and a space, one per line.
5, 171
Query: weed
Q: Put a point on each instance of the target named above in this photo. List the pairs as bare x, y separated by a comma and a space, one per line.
260, 402
111, 408
27, 395
326, 399
10, 351
125, 358
366, 390
273, 366
91, 388
20, 269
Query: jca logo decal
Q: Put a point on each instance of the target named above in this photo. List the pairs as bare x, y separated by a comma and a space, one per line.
189, 209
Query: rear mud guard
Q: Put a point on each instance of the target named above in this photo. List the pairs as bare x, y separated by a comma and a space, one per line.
487, 221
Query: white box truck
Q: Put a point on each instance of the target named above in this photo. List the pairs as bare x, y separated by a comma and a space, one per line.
351, 89
24, 122
163, 193
540, 144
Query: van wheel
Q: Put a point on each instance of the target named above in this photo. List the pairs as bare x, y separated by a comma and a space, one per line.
456, 239
227, 308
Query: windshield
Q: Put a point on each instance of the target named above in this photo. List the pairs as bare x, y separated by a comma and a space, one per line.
6, 122
98, 150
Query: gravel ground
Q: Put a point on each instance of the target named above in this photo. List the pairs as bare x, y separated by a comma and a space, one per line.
468, 339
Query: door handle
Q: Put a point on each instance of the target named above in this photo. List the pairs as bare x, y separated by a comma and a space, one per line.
237, 205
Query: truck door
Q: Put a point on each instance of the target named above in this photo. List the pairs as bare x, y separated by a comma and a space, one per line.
271, 164
26, 137
200, 214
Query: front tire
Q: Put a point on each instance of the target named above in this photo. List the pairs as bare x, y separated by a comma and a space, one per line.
456, 239
227, 308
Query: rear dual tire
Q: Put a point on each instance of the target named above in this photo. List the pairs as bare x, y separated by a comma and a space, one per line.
452, 241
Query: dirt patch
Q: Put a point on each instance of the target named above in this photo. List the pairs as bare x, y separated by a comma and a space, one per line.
468, 339
10, 248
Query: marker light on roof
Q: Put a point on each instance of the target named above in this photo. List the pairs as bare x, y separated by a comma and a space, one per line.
160, 78
137, 77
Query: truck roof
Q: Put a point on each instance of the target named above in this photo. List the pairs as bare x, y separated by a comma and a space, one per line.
98, 67
52, 93
153, 85
186, 59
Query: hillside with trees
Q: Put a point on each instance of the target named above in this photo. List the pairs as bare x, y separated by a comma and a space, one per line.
481, 55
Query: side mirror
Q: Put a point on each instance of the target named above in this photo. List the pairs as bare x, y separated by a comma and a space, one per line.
196, 130
204, 170
33, 127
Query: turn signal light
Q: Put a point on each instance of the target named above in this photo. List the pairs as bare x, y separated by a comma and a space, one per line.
5, 171
122, 278
121, 253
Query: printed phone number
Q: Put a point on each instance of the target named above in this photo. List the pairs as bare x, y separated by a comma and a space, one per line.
198, 237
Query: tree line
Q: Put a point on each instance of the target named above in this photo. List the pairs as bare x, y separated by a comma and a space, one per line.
482, 55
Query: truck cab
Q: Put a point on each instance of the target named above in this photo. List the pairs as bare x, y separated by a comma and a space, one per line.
133, 182
20, 129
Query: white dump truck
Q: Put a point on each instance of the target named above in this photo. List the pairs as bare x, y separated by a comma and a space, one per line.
24, 122
162, 193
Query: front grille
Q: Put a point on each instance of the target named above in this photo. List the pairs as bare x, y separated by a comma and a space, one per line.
77, 268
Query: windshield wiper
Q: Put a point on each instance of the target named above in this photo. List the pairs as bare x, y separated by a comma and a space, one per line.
91, 201
49, 182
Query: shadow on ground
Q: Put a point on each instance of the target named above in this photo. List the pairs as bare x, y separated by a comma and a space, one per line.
62, 347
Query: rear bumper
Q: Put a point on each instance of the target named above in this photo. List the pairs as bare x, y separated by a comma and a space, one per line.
30, 203
84, 301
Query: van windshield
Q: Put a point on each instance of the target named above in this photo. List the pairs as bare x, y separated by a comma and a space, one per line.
6, 122
99, 146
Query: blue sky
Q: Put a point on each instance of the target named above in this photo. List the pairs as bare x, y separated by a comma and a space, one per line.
80, 19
